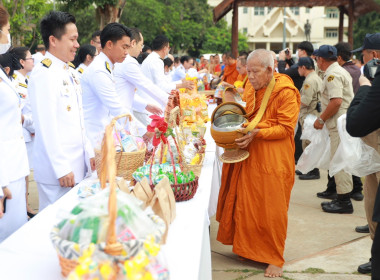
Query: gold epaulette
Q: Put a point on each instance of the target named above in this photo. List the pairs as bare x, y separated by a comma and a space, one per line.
14, 76
71, 65
80, 70
23, 85
46, 62
108, 67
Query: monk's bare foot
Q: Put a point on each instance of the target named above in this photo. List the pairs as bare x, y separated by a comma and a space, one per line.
273, 271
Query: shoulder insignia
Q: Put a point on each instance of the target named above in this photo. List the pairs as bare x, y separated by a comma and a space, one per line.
46, 62
71, 65
108, 67
306, 86
23, 85
14, 76
80, 70
330, 78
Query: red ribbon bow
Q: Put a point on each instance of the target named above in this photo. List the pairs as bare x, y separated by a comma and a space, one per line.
159, 127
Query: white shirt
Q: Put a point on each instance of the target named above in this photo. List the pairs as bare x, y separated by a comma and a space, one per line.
153, 68
21, 85
38, 57
179, 73
13, 156
100, 100
128, 78
80, 69
60, 144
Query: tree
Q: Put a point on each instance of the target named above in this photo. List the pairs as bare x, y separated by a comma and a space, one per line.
24, 20
368, 23
107, 11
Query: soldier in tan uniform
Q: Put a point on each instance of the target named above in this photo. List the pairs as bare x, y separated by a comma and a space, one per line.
336, 98
310, 94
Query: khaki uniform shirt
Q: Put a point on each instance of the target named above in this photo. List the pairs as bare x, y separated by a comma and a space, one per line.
337, 83
310, 94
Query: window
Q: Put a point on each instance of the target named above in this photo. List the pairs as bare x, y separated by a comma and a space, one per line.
259, 11
245, 10
307, 10
295, 10
332, 13
331, 32
245, 30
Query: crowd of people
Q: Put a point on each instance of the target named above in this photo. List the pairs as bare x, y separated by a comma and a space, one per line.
56, 103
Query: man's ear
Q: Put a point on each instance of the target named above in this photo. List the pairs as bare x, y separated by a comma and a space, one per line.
109, 45
52, 41
7, 70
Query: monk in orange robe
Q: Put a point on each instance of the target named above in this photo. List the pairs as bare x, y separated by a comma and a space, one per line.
230, 72
254, 195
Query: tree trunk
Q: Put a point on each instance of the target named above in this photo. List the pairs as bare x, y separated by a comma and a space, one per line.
110, 13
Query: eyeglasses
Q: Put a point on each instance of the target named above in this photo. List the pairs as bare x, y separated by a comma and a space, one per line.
29, 58
97, 42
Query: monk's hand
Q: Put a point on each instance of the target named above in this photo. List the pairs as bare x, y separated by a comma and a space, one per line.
244, 141
317, 124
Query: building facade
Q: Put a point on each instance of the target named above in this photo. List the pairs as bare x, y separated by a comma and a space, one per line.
264, 26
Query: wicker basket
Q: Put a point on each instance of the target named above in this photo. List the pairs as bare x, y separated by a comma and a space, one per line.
69, 251
126, 163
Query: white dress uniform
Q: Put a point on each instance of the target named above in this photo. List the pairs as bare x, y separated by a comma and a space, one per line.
80, 69
21, 84
13, 158
61, 145
38, 57
153, 68
100, 101
129, 78
179, 73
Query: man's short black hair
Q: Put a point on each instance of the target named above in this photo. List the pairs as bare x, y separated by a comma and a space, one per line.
114, 32
146, 48
185, 58
177, 60
135, 34
160, 42
229, 55
307, 47
344, 50
54, 23
168, 62
95, 34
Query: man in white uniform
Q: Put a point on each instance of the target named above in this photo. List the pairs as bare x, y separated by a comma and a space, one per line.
182, 69
100, 100
40, 54
129, 78
62, 151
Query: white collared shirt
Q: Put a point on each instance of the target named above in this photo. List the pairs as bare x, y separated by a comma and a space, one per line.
153, 68
101, 102
13, 156
179, 73
80, 69
60, 145
128, 78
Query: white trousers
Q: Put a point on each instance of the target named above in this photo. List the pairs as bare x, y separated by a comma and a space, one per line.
215, 182
48, 194
15, 215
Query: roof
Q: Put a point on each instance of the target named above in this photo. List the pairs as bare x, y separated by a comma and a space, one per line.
361, 7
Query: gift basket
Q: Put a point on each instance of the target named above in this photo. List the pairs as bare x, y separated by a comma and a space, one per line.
130, 151
183, 183
112, 221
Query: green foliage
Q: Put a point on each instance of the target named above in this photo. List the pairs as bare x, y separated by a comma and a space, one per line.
25, 16
369, 23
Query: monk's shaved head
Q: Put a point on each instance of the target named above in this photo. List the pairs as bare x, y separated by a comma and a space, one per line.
260, 67
264, 56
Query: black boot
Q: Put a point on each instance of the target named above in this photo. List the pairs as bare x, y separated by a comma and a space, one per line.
362, 229
341, 205
311, 175
356, 193
365, 268
330, 192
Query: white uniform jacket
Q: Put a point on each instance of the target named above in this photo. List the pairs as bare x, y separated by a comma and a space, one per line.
153, 68
61, 145
128, 78
100, 101
21, 84
80, 69
13, 157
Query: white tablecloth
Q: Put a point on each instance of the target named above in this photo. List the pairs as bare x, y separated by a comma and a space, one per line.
28, 253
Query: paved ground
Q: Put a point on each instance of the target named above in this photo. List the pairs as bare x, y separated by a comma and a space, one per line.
319, 246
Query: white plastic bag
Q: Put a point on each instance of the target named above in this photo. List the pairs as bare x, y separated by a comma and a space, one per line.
317, 153
353, 155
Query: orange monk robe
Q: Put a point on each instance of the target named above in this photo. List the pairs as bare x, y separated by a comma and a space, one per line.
254, 194
230, 74
247, 88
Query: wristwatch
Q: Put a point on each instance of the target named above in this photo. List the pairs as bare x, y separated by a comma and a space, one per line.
320, 121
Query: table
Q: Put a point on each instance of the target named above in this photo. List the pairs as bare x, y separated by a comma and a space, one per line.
29, 254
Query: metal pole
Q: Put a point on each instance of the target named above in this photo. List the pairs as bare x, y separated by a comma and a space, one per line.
284, 32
